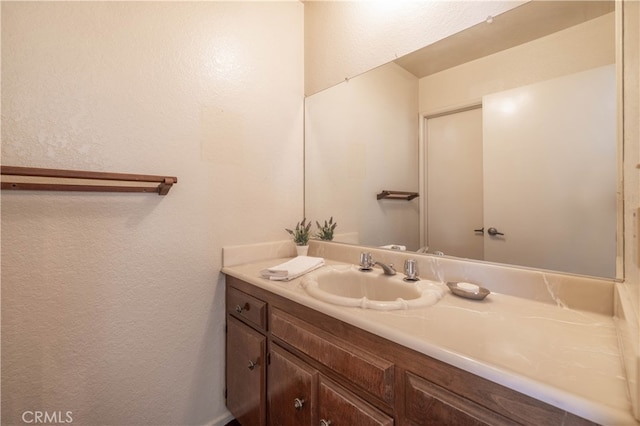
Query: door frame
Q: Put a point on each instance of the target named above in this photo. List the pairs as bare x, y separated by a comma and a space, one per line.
422, 149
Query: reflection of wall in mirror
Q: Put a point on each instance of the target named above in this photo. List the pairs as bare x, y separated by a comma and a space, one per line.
582, 47
347, 38
544, 172
344, 166
550, 172
361, 138
578, 48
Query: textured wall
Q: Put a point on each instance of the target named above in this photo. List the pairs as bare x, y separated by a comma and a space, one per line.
346, 38
112, 305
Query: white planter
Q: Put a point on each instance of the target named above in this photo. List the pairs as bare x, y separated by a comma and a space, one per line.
302, 250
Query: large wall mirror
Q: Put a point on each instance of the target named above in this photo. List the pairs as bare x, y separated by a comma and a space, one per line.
508, 131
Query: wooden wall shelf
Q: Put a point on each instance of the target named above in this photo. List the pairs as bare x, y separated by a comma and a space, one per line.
37, 179
397, 195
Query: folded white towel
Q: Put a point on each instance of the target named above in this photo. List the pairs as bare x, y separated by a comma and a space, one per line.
292, 268
395, 247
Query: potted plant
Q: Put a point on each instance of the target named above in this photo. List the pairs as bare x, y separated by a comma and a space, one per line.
325, 232
301, 235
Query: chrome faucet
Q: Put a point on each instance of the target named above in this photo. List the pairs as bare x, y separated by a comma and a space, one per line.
388, 269
367, 263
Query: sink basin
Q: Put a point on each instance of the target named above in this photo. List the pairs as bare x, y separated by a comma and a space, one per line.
348, 286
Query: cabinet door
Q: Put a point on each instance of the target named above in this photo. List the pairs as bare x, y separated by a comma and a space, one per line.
428, 404
245, 371
337, 406
291, 389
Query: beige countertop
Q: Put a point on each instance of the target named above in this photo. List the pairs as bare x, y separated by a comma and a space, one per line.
565, 357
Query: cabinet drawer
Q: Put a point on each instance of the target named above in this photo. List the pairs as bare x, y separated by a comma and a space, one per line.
338, 407
371, 373
429, 404
247, 307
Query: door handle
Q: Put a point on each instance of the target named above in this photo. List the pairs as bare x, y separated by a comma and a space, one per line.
481, 230
493, 232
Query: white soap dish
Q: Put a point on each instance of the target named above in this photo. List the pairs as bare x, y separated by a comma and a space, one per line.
468, 291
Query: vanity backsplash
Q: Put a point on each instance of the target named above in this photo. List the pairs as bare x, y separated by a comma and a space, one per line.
564, 290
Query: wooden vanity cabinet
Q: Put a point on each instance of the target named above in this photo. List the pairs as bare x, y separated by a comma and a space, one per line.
291, 365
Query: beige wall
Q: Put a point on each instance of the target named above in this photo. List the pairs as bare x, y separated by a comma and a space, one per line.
113, 305
346, 38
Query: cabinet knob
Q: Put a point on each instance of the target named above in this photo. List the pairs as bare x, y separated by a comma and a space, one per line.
324, 422
239, 308
252, 365
298, 403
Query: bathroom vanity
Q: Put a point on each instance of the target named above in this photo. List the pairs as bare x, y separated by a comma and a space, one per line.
288, 364
291, 359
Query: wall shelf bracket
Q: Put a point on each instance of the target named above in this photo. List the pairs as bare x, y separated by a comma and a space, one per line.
397, 195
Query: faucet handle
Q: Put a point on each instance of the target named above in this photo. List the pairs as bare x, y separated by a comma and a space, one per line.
366, 261
411, 270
